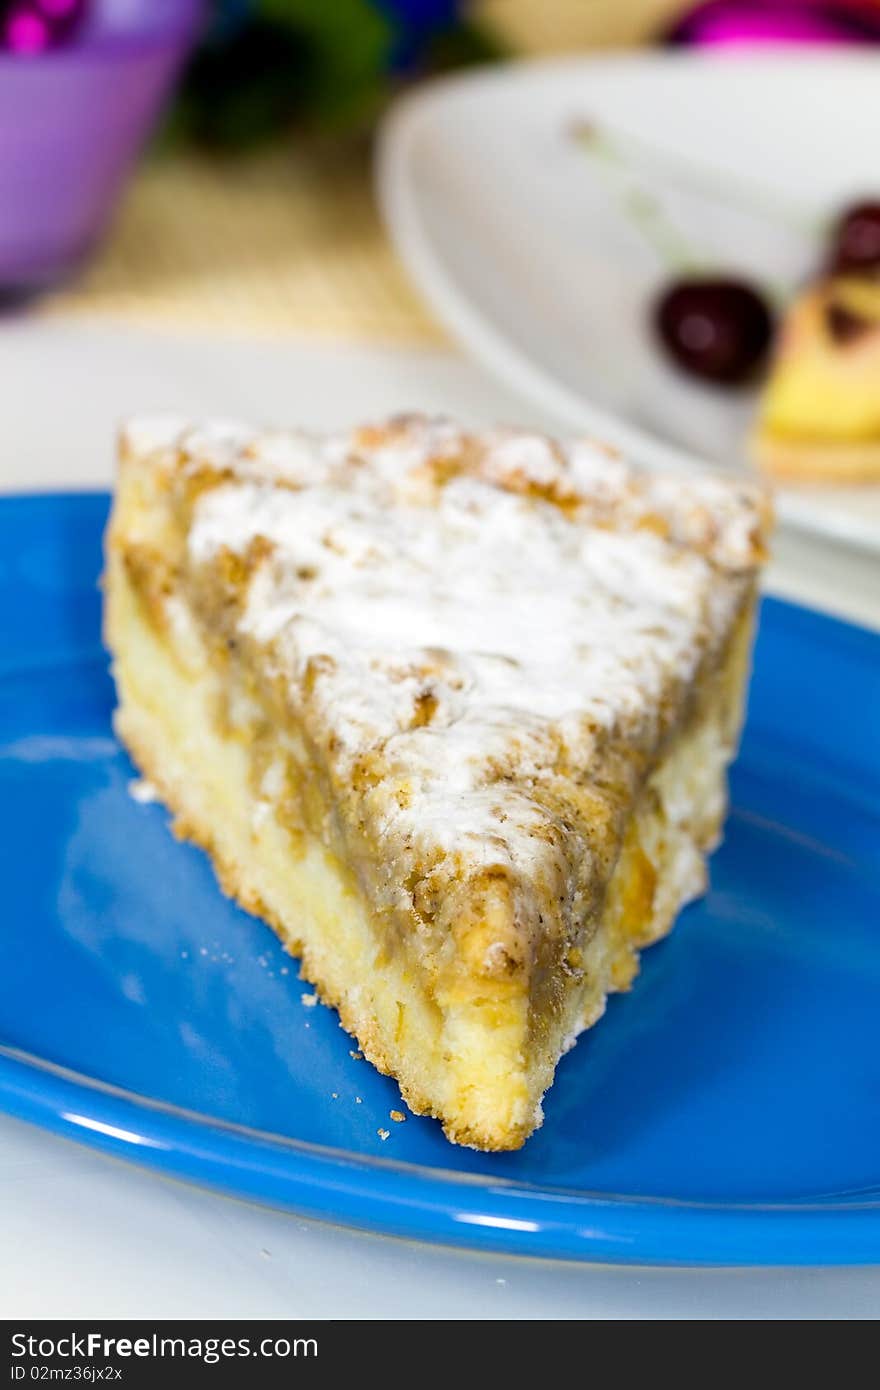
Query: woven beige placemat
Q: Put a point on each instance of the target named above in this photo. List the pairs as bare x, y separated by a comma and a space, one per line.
285, 242
565, 26
290, 242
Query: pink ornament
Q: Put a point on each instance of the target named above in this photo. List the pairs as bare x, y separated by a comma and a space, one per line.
26, 32
28, 27
757, 22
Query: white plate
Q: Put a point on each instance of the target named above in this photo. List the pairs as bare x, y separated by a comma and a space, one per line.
522, 242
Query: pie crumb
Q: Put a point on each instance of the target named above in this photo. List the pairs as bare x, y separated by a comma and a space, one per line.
142, 791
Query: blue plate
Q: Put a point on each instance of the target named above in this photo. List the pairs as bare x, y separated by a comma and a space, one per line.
727, 1111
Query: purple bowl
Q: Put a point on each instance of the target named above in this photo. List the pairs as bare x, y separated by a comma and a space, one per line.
72, 122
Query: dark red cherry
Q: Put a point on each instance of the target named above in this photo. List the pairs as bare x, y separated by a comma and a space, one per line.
716, 329
855, 243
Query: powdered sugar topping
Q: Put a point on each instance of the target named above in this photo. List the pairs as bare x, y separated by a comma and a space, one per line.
466, 604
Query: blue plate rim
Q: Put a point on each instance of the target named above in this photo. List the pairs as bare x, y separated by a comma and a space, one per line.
384, 1195
430, 1204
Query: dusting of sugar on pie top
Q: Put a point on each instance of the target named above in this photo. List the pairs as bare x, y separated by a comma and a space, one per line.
472, 610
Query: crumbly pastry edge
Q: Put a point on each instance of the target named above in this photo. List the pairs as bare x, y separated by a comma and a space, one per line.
816, 461
337, 947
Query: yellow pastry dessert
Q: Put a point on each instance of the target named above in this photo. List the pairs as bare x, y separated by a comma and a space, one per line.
820, 415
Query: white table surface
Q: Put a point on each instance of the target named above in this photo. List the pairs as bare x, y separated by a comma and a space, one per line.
85, 1236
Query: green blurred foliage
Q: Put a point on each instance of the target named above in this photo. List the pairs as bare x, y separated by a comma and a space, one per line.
283, 63
266, 67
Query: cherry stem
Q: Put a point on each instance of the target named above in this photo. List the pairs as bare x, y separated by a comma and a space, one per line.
647, 213
672, 248
636, 153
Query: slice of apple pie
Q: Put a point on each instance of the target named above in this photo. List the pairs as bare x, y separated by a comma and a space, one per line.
452, 712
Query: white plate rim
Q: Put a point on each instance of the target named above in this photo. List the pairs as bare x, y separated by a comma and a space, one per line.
399, 206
